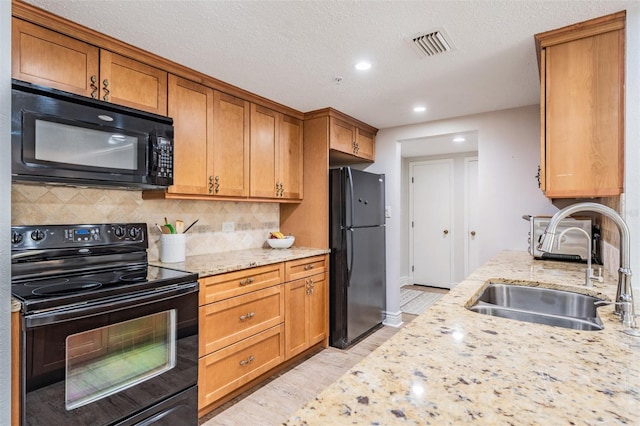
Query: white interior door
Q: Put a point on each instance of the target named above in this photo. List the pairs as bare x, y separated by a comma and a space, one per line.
471, 241
431, 233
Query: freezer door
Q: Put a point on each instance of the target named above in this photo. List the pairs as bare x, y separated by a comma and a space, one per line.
364, 200
366, 287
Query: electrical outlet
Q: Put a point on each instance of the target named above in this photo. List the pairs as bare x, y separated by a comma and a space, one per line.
228, 226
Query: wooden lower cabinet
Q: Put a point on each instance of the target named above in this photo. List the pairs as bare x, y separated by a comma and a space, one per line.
253, 320
306, 308
306, 303
225, 370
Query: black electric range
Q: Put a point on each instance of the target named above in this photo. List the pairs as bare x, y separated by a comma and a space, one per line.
59, 265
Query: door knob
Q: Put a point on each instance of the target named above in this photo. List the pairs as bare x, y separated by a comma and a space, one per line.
473, 233
446, 231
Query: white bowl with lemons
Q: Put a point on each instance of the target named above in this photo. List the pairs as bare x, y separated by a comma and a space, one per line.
277, 240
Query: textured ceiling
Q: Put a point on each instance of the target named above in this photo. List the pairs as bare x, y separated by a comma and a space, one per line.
292, 51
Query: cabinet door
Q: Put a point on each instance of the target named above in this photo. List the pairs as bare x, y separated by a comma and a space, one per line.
296, 327
124, 81
318, 308
583, 147
365, 144
264, 137
44, 57
290, 158
342, 136
230, 162
191, 106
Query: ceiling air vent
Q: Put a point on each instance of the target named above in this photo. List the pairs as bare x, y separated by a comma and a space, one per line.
431, 43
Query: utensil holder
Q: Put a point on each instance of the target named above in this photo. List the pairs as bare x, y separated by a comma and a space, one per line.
172, 248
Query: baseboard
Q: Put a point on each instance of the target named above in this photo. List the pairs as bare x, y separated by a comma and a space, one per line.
405, 280
393, 319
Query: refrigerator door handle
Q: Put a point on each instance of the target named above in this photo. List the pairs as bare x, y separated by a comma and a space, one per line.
350, 179
350, 255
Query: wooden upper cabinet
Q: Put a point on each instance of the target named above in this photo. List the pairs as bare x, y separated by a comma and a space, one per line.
343, 136
124, 81
191, 106
48, 58
582, 108
211, 140
276, 154
230, 146
264, 137
51, 59
365, 144
291, 157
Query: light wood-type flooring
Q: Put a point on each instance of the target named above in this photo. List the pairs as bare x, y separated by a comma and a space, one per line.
282, 395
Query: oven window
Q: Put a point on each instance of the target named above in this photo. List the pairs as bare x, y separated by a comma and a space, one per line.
106, 360
65, 144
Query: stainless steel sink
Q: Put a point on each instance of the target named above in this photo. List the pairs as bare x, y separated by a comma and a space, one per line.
539, 305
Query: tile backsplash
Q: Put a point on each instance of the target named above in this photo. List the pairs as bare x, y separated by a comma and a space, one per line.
40, 204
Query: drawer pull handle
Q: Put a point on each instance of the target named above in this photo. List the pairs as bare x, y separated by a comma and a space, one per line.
247, 281
247, 316
308, 267
247, 361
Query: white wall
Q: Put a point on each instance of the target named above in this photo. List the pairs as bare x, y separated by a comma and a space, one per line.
508, 153
5, 212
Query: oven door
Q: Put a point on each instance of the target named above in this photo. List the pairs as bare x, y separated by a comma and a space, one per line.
105, 362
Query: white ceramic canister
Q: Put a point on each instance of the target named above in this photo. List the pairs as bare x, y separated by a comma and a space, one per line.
172, 248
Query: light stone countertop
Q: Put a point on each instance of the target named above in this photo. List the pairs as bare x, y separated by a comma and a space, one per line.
229, 261
454, 366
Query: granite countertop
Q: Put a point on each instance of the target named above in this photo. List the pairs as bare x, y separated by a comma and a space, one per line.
453, 366
229, 261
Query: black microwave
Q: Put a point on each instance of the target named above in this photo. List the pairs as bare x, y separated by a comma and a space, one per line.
62, 138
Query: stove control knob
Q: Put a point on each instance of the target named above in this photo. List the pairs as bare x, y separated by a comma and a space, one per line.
37, 235
16, 238
134, 232
119, 232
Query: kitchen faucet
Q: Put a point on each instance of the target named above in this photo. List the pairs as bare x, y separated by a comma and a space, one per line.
589, 276
624, 294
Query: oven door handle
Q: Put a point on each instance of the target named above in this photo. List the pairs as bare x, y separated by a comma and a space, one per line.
112, 304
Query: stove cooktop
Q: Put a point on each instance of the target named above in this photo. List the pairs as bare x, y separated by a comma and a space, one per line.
63, 290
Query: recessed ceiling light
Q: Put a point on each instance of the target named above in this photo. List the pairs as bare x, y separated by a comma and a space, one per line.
459, 139
363, 65
419, 109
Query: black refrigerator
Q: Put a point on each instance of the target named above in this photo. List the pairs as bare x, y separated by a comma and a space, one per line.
357, 291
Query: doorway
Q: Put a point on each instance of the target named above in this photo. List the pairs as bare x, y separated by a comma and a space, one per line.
431, 233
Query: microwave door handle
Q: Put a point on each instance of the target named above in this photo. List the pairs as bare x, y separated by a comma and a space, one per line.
153, 148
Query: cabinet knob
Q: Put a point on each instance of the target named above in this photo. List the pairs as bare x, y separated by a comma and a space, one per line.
308, 267
473, 233
445, 232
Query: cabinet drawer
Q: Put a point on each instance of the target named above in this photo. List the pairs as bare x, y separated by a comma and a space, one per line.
305, 267
227, 369
231, 320
224, 286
